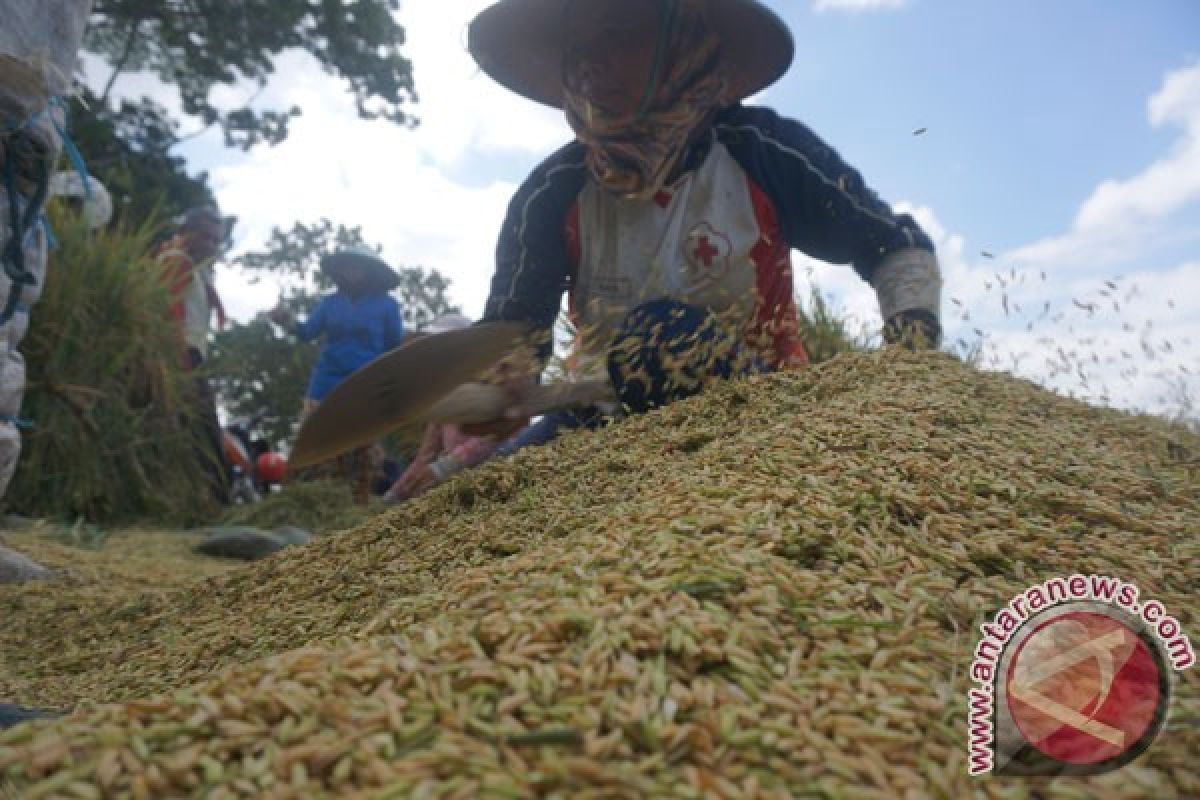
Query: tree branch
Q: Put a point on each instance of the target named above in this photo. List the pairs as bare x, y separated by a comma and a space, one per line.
119, 67
194, 134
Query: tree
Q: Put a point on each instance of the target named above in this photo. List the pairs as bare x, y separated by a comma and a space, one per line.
115, 438
261, 373
129, 150
199, 45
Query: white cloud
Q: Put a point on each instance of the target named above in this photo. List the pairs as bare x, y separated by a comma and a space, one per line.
434, 196
857, 5
1081, 312
1122, 346
1122, 218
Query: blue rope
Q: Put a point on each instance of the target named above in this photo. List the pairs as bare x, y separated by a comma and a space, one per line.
13, 252
19, 422
51, 239
72, 151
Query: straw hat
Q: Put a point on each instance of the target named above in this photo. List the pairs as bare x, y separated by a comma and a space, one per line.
520, 43
378, 274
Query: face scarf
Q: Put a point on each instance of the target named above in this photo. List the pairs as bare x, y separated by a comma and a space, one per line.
632, 153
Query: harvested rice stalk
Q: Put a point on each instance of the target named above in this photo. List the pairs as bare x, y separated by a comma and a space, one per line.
785, 611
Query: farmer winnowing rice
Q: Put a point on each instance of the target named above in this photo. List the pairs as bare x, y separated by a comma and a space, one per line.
673, 214
360, 321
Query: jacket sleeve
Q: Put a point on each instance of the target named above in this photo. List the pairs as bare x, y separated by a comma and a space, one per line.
532, 261
314, 326
827, 210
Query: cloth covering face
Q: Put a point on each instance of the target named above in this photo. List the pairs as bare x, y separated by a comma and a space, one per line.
632, 149
356, 331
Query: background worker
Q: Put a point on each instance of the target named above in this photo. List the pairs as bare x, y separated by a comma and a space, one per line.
188, 260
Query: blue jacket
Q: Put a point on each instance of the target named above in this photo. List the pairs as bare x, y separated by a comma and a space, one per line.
356, 333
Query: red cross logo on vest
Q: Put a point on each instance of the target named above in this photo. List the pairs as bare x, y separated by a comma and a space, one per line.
706, 255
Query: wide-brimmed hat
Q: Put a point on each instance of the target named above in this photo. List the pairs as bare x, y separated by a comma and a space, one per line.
379, 276
520, 43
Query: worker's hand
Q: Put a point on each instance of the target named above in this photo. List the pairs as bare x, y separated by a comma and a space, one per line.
413, 484
516, 378
421, 481
916, 330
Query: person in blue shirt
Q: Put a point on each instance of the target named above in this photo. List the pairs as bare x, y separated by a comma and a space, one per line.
360, 321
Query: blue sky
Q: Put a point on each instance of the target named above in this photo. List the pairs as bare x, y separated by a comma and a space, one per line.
1062, 137
1029, 104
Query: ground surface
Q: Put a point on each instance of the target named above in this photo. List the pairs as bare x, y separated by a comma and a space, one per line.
129, 567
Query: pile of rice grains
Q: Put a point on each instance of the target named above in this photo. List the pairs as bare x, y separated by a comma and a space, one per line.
772, 590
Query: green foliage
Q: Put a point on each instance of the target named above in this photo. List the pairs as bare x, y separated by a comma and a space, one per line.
260, 372
114, 436
200, 45
295, 255
316, 506
824, 333
128, 150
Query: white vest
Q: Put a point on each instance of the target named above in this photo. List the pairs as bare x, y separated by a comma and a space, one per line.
698, 249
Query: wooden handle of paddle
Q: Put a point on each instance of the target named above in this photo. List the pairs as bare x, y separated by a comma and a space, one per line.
475, 403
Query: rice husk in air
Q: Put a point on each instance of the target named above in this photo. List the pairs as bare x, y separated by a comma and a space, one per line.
771, 590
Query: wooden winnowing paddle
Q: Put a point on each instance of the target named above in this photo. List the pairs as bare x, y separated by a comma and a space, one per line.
428, 380
396, 388
483, 402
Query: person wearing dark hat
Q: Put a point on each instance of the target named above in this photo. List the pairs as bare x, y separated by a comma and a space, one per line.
360, 320
677, 206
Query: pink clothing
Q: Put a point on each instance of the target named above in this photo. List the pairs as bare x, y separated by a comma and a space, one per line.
447, 443
468, 451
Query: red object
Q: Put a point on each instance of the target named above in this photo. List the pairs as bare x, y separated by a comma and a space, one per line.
272, 468
1101, 700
